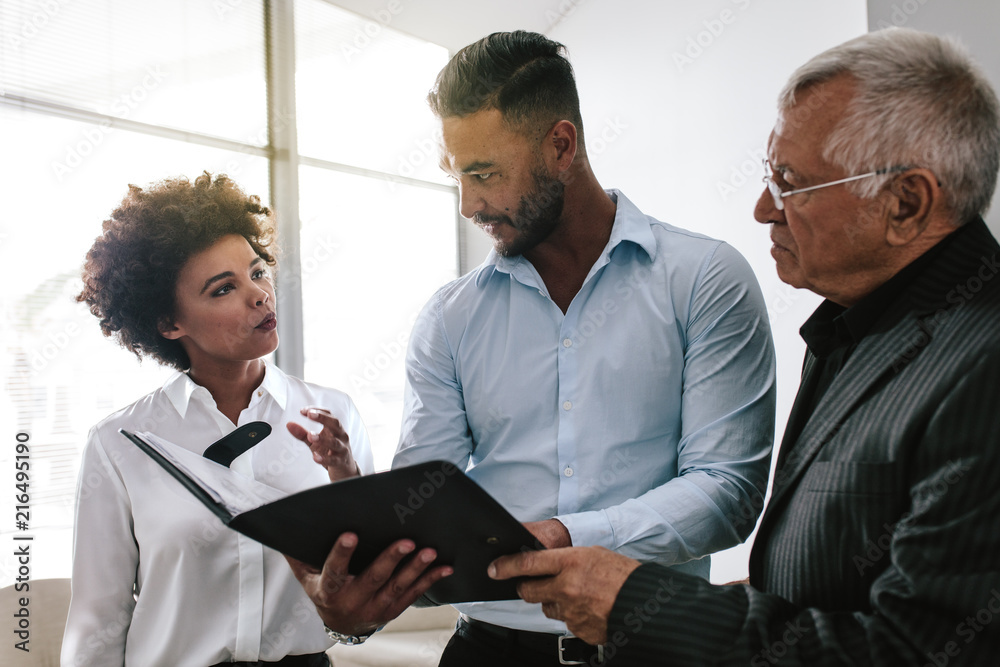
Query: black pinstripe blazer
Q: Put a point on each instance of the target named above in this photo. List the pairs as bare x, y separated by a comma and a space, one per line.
881, 541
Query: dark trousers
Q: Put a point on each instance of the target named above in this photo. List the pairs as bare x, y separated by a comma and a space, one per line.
308, 660
471, 646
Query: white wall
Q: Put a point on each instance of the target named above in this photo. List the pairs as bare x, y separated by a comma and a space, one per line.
973, 22
678, 100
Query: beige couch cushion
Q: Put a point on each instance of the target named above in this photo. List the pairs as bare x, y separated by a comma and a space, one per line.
48, 603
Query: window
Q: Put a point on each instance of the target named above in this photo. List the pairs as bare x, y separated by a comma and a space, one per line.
97, 95
379, 238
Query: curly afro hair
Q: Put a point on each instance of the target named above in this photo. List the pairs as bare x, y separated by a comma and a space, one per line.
131, 271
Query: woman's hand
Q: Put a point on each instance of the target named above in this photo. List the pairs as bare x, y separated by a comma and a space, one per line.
331, 447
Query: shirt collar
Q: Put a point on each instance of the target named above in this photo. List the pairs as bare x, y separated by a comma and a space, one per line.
275, 383
630, 225
180, 389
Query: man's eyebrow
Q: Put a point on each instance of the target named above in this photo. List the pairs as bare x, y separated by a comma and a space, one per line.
477, 166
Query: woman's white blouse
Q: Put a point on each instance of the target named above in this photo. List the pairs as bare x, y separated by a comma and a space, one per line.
157, 578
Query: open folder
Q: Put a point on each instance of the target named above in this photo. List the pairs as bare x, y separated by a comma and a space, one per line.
434, 504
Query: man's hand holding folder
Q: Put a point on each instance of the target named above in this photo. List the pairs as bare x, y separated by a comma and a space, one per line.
360, 604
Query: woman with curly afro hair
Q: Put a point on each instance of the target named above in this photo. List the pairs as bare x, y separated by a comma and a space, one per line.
182, 274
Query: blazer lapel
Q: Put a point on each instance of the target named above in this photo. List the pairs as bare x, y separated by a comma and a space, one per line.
877, 355
797, 417
881, 351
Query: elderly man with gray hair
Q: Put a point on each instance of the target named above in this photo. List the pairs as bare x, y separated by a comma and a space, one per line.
881, 539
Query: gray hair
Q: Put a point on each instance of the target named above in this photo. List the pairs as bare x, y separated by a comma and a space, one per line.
920, 101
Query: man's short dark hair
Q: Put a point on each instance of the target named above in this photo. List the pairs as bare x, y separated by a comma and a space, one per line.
524, 75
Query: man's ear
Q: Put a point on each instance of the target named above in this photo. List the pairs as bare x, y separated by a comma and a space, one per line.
562, 139
169, 330
915, 194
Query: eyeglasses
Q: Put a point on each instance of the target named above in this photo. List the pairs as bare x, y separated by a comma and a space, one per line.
778, 195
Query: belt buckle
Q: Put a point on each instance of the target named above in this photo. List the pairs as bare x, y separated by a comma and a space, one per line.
562, 649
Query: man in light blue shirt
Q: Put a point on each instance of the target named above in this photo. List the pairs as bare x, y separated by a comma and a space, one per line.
607, 377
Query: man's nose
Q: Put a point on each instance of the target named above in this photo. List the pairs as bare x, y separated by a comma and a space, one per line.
470, 201
766, 211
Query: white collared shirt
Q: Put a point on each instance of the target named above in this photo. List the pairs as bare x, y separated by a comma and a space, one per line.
157, 578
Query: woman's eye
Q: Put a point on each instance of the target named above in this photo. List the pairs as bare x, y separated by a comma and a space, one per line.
259, 273
225, 289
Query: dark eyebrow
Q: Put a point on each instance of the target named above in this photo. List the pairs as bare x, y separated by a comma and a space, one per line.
221, 276
477, 166
226, 274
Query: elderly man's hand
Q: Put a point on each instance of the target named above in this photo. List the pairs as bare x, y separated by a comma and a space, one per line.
357, 605
579, 586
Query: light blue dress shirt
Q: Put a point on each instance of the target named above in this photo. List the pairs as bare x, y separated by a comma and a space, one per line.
642, 419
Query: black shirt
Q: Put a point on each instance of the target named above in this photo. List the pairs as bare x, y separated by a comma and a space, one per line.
833, 332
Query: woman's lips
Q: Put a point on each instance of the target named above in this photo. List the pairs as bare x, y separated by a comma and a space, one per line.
269, 324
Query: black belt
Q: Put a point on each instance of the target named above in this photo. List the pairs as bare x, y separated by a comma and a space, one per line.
568, 649
304, 660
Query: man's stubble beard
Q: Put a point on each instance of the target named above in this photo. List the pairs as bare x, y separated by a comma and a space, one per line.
538, 214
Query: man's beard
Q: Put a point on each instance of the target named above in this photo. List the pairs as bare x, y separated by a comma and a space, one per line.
537, 215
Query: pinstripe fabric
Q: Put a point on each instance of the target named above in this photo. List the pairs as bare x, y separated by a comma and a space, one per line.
881, 542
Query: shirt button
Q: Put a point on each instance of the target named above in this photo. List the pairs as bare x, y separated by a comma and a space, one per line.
259, 394
567, 342
568, 472
568, 405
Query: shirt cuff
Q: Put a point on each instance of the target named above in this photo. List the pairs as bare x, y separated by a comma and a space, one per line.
589, 529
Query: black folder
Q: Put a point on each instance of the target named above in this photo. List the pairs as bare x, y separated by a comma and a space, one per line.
434, 504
